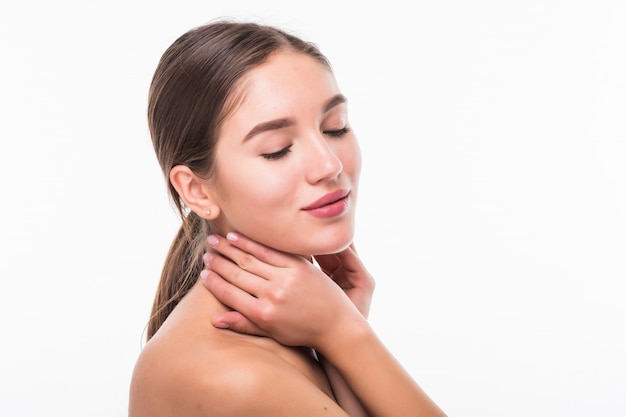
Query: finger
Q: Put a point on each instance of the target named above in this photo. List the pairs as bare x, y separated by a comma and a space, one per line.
261, 252
223, 246
235, 321
227, 293
232, 273
354, 267
328, 263
349, 259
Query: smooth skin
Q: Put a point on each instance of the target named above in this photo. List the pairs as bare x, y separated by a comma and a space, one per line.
286, 144
190, 368
271, 294
298, 344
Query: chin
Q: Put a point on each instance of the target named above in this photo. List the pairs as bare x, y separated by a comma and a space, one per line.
316, 241
333, 244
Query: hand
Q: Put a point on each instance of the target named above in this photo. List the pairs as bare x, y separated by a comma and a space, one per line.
271, 292
347, 270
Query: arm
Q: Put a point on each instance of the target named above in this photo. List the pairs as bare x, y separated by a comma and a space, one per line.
343, 393
271, 291
347, 271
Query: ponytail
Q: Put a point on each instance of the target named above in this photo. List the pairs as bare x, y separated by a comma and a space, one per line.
193, 89
181, 270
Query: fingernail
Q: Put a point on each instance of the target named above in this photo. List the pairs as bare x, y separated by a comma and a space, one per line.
207, 257
213, 240
221, 325
204, 274
232, 237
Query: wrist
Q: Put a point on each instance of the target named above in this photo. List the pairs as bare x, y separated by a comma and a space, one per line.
345, 336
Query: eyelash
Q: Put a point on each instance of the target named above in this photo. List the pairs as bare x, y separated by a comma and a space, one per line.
337, 133
277, 155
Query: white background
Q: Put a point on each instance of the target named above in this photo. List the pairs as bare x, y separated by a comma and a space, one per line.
492, 210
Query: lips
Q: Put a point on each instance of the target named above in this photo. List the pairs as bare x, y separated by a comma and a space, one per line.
328, 199
330, 206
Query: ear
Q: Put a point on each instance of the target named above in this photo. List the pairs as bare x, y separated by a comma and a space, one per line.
194, 191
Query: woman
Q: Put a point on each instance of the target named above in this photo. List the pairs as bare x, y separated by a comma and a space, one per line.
251, 131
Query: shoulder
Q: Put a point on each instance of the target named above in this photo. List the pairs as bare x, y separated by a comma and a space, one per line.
237, 380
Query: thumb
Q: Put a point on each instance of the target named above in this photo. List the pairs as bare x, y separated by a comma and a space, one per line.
237, 322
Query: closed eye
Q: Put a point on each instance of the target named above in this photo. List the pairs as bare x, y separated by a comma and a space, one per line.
337, 133
277, 155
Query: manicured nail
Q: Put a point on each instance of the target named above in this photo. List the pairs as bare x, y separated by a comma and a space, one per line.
203, 275
232, 237
207, 257
213, 240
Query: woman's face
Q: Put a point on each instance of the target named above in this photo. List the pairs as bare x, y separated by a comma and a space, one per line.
287, 162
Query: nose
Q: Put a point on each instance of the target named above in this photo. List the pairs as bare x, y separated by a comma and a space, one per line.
321, 160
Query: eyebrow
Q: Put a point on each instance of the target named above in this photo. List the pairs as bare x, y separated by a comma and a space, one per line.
286, 122
335, 101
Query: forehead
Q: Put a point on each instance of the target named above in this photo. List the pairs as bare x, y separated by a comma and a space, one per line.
286, 66
287, 80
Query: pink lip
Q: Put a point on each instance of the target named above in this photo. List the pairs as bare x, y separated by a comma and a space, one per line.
330, 205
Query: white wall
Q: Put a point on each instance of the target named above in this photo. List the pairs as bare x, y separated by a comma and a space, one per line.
492, 206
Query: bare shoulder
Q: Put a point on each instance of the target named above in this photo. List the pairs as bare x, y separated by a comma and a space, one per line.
234, 379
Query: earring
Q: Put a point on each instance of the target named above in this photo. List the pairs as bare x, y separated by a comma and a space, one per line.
207, 212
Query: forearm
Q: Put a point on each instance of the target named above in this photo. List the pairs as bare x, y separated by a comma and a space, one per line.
343, 393
381, 384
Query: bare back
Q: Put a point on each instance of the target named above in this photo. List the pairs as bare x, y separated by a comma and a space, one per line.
190, 368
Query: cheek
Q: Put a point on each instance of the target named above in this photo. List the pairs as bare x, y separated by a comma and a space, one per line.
351, 160
254, 192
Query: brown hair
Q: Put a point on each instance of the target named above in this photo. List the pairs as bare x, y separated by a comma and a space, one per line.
189, 97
